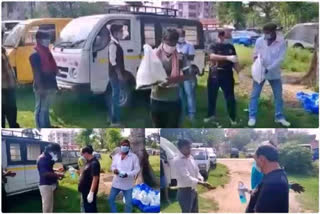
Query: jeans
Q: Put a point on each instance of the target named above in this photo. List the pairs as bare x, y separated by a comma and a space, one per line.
165, 114
43, 102
227, 86
89, 207
9, 108
188, 200
188, 97
276, 86
114, 109
128, 198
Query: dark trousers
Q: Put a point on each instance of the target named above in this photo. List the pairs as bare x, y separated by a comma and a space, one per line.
188, 200
227, 86
9, 108
165, 114
89, 207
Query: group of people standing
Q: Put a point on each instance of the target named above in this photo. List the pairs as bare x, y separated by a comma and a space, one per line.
125, 168
170, 101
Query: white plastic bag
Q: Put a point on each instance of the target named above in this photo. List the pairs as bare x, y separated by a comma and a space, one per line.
258, 70
151, 70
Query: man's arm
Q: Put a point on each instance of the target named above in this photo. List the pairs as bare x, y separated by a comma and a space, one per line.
35, 63
183, 173
95, 173
114, 163
136, 168
278, 61
191, 52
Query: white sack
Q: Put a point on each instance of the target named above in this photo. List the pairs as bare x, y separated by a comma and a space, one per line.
258, 71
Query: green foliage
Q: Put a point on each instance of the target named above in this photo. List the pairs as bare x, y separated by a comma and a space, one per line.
295, 159
297, 60
83, 138
154, 145
113, 137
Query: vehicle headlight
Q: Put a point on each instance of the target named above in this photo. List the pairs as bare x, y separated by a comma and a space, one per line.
202, 165
73, 73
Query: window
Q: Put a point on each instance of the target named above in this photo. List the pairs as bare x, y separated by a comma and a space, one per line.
73, 154
64, 154
30, 37
191, 34
33, 151
15, 153
192, 7
166, 26
125, 27
102, 39
149, 34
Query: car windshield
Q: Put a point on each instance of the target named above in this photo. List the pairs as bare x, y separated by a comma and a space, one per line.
13, 39
76, 32
199, 154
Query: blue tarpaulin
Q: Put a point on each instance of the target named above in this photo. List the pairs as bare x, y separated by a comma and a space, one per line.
310, 101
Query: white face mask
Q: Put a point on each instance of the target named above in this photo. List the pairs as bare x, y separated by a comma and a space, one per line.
168, 49
53, 156
267, 36
182, 39
45, 42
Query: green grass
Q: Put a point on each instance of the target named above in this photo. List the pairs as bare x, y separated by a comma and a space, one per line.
217, 177
105, 163
83, 110
310, 198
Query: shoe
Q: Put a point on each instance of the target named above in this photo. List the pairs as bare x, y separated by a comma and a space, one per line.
233, 122
283, 122
209, 119
252, 122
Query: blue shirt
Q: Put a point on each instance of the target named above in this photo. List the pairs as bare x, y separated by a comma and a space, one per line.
45, 165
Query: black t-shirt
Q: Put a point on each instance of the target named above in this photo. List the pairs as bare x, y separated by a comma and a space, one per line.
92, 168
271, 195
223, 68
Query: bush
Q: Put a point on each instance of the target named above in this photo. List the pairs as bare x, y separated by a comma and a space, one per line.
315, 168
295, 159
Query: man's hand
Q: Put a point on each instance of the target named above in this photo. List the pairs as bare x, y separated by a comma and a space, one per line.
297, 187
10, 174
232, 58
90, 197
116, 172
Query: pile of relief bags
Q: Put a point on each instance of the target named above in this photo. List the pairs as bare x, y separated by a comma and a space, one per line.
146, 199
310, 102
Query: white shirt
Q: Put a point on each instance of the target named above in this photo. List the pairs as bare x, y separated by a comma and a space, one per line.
130, 165
188, 174
272, 55
113, 51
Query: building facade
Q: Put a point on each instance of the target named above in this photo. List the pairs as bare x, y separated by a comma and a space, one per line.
65, 138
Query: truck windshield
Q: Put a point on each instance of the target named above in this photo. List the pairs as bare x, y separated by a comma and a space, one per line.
76, 32
199, 155
14, 37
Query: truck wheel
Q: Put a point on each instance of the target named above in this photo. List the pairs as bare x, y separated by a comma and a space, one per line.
205, 176
298, 45
126, 94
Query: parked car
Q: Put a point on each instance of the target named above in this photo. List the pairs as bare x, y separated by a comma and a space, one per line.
201, 157
302, 35
70, 158
19, 155
82, 51
246, 38
250, 153
212, 156
234, 153
20, 43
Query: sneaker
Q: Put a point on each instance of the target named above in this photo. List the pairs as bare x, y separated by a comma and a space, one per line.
209, 119
233, 122
283, 122
252, 122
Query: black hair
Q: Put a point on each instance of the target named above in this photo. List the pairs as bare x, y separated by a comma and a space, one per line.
182, 143
115, 28
171, 34
125, 141
41, 34
269, 152
270, 27
88, 149
54, 147
221, 33
182, 32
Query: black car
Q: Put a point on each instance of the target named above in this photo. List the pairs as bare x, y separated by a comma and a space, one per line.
234, 153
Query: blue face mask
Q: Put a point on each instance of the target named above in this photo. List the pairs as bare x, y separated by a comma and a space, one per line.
267, 36
124, 149
227, 41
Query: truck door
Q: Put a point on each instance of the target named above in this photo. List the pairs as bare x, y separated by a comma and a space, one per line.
31, 173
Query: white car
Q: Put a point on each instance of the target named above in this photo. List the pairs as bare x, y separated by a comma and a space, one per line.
302, 35
212, 156
201, 157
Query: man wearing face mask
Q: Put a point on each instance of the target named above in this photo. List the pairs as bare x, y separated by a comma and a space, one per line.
45, 71
116, 72
188, 177
271, 48
186, 53
125, 166
272, 194
165, 100
89, 181
223, 59
48, 176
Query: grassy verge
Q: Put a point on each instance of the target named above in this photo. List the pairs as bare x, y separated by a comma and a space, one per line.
310, 198
217, 177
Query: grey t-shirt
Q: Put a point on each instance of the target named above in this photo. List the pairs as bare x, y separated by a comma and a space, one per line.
170, 93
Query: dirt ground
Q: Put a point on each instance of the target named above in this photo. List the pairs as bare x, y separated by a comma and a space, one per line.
227, 196
289, 90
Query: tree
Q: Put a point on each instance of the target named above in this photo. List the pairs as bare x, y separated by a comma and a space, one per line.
232, 12
241, 138
137, 140
83, 138
113, 137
